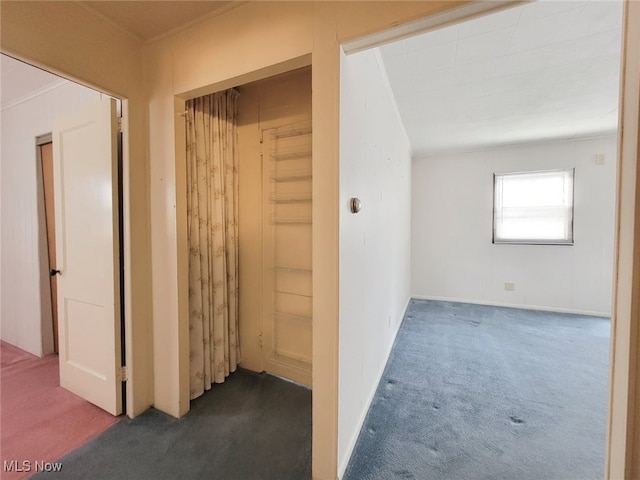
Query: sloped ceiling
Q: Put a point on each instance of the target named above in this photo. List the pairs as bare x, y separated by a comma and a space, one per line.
540, 71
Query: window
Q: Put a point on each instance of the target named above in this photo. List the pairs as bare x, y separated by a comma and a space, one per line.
533, 207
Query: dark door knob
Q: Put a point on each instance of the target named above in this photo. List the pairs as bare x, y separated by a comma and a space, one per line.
53, 272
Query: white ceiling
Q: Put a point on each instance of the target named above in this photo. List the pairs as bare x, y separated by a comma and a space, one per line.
20, 81
544, 70
541, 71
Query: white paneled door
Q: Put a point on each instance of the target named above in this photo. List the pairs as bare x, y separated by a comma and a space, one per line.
87, 256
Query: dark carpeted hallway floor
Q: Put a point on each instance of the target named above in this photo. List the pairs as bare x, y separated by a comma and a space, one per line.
476, 392
469, 393
253, 426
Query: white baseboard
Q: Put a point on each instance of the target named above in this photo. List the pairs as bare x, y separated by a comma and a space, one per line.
354, 438
513, 305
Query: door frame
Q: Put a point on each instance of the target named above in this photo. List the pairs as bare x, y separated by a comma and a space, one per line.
623, 422
180, 156
46, 319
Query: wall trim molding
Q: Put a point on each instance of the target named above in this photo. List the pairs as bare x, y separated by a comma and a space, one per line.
542, 308
435, 21
524, 144
34, 94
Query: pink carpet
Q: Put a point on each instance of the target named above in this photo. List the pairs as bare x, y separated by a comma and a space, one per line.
39, 420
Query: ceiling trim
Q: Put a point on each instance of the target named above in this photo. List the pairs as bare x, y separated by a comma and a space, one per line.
392, 97
525, 143
449, 17
33, 94
110, 21
196, 21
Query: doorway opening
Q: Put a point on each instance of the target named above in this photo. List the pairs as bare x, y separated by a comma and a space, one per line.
274, 138
44, 155
475, 78
274, 225
274, 198
36, 103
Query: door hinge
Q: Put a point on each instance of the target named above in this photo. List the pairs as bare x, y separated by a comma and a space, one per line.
119, 124
123, 374
260, 340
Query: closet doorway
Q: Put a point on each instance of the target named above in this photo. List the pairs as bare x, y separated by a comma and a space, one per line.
274, 226
274, 141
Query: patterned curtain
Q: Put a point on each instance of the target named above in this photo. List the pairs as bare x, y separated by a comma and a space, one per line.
212, 219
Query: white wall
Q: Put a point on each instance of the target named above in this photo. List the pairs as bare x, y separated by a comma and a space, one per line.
452, 254
22, 273
375, 166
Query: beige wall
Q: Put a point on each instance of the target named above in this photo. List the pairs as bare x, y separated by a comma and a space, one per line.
232, 47
69, 40
253, 41
250, 226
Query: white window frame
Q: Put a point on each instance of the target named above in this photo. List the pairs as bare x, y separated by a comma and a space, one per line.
564, 209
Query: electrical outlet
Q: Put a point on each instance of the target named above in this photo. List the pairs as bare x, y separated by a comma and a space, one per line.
509, 286
600, 158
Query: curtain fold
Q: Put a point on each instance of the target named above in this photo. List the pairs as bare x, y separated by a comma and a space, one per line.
212, 222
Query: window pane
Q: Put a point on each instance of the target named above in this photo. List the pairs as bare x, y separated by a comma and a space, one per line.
535, 207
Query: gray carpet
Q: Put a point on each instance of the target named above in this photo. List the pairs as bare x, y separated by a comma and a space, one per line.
254, 426
476, 392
